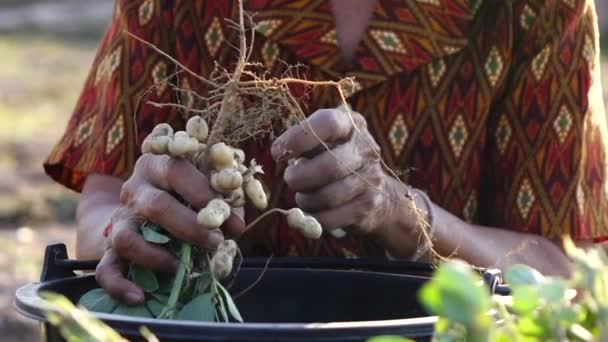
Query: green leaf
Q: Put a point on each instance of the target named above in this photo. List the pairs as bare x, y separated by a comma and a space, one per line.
528, 326
580, 333
144, 278
155, 306
98, 300
234, 311
147, 334
456, 293
523, 275
500, 335
204, 282
133, 311
75, 324
221, 313
201, 308
165, 282
160, 297
567, 315
151, 226
552, 291
153, 236
525, 299
389, 339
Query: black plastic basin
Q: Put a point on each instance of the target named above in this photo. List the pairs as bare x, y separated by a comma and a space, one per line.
294, 300
286, 305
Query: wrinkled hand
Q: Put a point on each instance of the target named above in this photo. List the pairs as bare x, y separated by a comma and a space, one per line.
344, 187
147, 195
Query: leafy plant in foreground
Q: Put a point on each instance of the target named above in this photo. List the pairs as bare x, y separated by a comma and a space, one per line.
539, 309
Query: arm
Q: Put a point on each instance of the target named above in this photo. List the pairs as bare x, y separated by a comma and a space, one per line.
149, 194
100, 197
348, 187
484, 246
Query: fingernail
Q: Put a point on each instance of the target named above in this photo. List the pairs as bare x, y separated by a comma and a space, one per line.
215, 237
134, 297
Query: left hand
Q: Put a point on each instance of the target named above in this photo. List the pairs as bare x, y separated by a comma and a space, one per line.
347, 186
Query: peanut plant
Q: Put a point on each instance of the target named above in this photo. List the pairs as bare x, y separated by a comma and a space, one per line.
539, 308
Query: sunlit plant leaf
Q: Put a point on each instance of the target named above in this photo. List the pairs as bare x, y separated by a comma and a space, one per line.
389, 339
528, 326
525, 299
75, 324
552, 290
523, 275
456, 293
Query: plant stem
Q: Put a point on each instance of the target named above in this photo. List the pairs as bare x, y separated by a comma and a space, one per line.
230, 99
508, 320
169, 309
266, 213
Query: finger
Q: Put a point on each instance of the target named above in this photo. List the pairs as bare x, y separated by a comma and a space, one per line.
311, 174
329, 125
110, 277
354, 213
175, 175
234, 225
181, 177
334, 194
128, 244
160, 207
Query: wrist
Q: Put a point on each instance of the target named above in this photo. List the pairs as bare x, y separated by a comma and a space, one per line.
409, 235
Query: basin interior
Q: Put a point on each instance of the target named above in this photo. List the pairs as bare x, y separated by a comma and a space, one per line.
305, 295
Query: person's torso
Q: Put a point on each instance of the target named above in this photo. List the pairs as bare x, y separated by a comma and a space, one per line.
426, 73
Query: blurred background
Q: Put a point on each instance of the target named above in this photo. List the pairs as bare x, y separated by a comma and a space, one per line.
46, 48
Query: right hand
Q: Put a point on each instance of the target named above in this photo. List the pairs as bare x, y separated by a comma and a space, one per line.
146, 195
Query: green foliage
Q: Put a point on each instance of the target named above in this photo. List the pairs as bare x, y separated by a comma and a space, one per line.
77, 325
389, 339
226, 300
143, 278
98, 300
200, 308
191, 294
151, 233
539, 309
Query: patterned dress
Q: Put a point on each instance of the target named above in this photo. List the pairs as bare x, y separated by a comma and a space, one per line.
493, 107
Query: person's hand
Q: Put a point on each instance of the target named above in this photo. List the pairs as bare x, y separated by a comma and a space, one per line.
347, 186
147, 195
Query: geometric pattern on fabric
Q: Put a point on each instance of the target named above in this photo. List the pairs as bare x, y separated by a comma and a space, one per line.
492, 107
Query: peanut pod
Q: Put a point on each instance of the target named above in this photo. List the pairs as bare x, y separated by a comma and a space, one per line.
222, 156
156, 144
226, 180
213, 214
307, 225
221, 265
182, 145
197, 128
255, 193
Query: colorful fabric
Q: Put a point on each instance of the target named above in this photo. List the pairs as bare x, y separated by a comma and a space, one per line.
493, 107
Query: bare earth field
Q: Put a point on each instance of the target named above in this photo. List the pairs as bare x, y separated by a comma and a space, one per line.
41, 74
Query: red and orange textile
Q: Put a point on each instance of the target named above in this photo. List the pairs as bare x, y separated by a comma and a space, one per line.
493, 107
